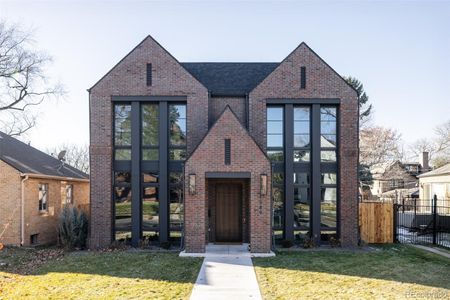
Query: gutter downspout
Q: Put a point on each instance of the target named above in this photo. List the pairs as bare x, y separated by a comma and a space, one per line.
22, 212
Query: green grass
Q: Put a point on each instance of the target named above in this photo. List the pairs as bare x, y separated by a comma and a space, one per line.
392, 272
88, 275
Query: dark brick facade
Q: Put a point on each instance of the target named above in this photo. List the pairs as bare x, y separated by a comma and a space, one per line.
169, 78
128, 77
321, 82
246, 156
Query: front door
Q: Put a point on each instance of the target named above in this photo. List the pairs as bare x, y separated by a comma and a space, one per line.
228, 213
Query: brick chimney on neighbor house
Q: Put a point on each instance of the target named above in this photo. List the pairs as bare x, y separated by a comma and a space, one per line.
424, 161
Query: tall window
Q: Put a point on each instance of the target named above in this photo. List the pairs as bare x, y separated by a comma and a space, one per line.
150, 131
301, 144
122, 132
275, 152
122, 207
43, 197
301, 175
177, 128
149, 164
69, 194
328, 168
176, 203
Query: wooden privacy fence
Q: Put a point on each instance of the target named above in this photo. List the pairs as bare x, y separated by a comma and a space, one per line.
376, 222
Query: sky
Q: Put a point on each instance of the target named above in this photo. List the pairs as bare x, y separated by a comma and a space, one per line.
400, 50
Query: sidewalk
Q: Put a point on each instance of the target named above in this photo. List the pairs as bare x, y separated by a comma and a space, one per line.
434, 250
226, 274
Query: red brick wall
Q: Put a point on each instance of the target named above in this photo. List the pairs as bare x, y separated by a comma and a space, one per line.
246, 156
128, 77
321, 82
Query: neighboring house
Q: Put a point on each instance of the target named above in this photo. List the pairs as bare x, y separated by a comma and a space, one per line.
198, 149
398, 179
436, 182
394, 176
34, 187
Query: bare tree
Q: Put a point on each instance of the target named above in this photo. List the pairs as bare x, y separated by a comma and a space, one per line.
438, 147
379, 145
23, 83
76, 155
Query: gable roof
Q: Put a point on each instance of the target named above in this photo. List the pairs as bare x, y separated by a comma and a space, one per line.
27, 159
230, 79
444, 170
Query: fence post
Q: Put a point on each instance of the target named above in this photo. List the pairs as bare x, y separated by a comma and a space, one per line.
395, 222
434, 218
415, 208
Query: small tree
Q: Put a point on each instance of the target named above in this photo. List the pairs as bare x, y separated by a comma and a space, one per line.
365, 108
72, 228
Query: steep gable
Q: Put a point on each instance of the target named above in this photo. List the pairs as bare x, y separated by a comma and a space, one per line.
319, 77
132, 70
243, 147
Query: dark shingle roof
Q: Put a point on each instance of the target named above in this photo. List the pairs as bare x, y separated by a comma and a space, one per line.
230, 79
27, 159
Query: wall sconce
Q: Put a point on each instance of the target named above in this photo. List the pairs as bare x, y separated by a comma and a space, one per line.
191, 184
263, 184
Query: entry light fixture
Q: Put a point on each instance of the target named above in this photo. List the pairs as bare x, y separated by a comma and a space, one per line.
191, 184
263, 184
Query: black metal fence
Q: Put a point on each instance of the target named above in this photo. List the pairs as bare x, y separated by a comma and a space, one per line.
422, 221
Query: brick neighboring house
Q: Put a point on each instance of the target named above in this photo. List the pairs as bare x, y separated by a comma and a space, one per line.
34, 187
222, 152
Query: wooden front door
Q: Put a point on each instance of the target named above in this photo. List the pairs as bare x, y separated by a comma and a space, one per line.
228, 213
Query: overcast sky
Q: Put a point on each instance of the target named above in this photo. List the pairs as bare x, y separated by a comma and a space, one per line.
399, 50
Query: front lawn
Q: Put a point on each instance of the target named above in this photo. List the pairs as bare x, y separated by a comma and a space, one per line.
397, 271
87, 275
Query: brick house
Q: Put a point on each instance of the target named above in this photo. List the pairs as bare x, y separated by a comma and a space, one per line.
34, 187
222, 152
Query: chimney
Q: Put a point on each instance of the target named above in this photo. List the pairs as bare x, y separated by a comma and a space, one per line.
423, 159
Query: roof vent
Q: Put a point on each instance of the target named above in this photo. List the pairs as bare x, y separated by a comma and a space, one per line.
302, 78
149, 74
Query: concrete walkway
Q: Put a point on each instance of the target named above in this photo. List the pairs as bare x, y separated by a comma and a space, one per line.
226, 273
434, 250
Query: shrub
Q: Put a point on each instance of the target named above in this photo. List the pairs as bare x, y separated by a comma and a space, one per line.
165, 245
287, 243
72, 228
308, 242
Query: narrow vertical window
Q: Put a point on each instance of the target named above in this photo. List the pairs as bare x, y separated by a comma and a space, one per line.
122, 205
69, 194
303, 77
150, 132
149, 74
122, 132
275, 152
177, 132
43, 197
328, 168
227, 151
